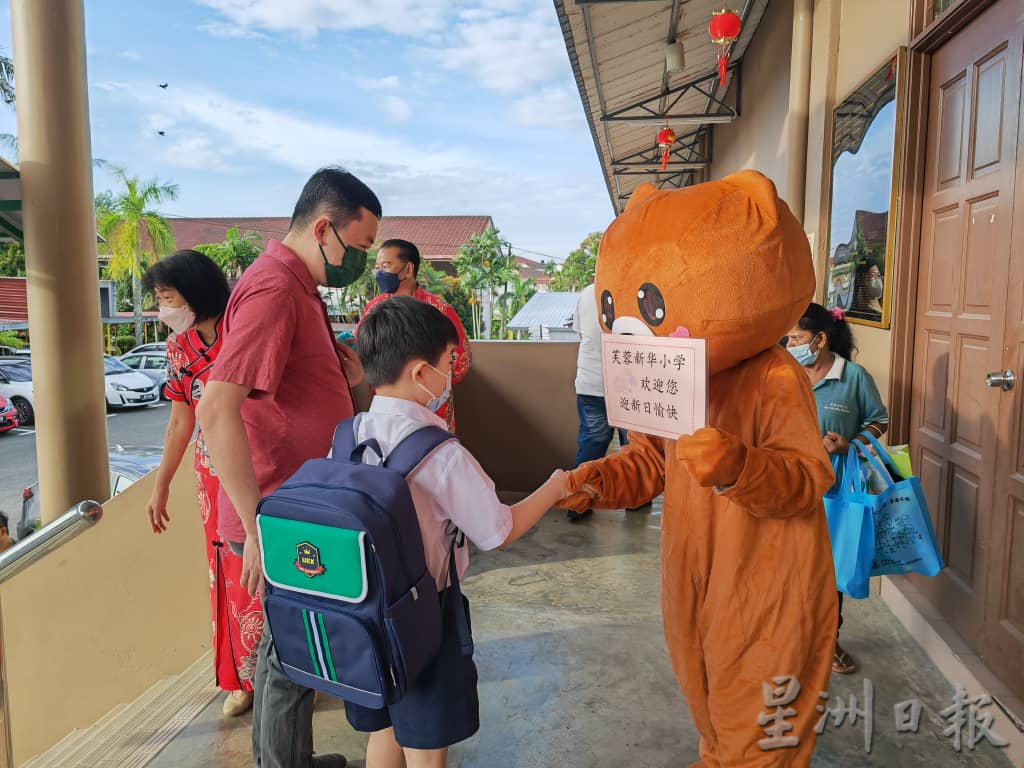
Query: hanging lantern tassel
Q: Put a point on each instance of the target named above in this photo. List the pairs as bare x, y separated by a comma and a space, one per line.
666, 138
724, 29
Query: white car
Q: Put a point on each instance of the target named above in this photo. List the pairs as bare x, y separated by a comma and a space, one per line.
16, 386
127, 388
153, 346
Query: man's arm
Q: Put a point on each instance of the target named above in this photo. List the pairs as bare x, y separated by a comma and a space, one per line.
463, 353
220, 417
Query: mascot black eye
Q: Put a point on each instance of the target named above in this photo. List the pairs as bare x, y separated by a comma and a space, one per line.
607, 310
651, 303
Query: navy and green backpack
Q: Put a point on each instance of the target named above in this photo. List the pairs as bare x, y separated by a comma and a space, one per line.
352, 608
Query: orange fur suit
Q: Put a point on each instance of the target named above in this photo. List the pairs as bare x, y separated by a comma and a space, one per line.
748, 587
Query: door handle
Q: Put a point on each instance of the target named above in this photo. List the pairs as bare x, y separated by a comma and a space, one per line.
1005, 380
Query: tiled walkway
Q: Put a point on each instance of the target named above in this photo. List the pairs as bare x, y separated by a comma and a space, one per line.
574, 674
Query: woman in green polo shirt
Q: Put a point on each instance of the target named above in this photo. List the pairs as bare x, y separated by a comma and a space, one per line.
847, 398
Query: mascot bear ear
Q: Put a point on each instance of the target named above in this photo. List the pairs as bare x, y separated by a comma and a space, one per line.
760, 189
641, 194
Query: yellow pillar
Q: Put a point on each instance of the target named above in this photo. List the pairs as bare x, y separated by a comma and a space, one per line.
55, 156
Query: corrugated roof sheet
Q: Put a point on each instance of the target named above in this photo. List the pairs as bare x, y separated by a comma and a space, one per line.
545, 310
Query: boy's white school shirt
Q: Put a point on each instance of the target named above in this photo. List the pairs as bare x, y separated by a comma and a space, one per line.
449, 485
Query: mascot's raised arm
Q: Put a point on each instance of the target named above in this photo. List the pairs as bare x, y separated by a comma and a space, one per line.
749, 593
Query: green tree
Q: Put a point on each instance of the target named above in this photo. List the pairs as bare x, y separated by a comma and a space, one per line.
577, 271
12, 260
518, 291
236, 253
485, 265
135, 233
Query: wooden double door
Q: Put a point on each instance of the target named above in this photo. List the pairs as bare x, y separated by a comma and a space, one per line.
967, 417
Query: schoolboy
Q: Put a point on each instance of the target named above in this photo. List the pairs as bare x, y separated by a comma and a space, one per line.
407, 349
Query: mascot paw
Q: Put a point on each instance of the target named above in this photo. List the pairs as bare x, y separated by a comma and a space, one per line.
582, 487
714, 458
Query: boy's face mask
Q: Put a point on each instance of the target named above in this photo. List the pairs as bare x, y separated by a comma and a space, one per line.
353, 262
437, 401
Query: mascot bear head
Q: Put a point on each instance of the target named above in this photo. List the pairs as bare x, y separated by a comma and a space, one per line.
724, 261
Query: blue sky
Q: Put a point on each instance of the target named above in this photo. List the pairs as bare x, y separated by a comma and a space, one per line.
442, 106
863, 181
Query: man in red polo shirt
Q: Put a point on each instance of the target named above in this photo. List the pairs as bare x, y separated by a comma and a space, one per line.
396, 270
278, 390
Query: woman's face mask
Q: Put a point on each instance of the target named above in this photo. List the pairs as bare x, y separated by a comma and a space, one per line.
178, 319
875, 287
804, 354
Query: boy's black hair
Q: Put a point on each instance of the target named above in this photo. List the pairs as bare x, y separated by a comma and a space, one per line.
196, 277
406, 251
336, 192
399, 331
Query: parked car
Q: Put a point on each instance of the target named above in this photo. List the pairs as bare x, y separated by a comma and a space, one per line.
152, 364
127, 388
153, 346
16, 386
127, 465
8, 415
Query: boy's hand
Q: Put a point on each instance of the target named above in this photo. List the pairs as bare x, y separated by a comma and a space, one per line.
714, 458
582, 487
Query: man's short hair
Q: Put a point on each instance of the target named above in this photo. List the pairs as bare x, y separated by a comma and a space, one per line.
336, 192
5, 522
398, 331
406, 251
196, 277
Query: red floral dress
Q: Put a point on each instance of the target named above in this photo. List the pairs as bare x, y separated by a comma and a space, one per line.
237, 616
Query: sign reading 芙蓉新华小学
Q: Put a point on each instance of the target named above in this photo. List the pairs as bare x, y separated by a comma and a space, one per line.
655, 385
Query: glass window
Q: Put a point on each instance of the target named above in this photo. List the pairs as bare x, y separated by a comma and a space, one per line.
113, 365
940, 6
119, 483
156, 363
19, 372
132, 362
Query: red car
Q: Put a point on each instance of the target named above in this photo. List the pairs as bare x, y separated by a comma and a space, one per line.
8, 415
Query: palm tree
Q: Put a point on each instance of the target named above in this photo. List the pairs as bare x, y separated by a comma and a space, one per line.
136, 234
236, 253
518, 291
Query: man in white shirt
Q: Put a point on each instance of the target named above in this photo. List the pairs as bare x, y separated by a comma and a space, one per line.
595, 433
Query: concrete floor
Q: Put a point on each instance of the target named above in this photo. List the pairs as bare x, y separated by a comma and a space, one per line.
574, 673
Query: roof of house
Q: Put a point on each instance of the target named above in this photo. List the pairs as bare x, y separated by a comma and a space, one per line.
13, 300
546, 310
532, 270
437, 237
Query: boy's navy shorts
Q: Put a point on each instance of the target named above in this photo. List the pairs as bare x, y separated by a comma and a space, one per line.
442, 708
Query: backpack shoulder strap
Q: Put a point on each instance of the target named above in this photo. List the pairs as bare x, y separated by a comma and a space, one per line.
408, 454
345, 438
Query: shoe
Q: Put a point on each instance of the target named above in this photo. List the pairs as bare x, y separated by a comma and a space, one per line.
237, 703
842, 662
333, 760
575, 517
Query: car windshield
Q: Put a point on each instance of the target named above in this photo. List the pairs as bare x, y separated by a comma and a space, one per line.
112, 365
17, 372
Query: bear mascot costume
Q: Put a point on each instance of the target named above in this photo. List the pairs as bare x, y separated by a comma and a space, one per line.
748, 587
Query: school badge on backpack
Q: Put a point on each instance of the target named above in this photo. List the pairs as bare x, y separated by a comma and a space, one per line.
307, 559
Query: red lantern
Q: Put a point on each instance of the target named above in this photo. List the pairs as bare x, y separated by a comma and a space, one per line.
724, 28
666, 138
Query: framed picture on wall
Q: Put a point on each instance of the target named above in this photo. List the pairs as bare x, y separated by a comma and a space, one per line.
865, 157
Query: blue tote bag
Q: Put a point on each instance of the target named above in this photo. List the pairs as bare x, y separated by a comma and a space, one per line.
904, 536
849, 509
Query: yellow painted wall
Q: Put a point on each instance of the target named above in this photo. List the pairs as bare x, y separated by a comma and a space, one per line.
103, 618
851, 39
758, 139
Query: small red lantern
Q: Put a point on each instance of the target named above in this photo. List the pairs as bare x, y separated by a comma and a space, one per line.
666, 138
724, 28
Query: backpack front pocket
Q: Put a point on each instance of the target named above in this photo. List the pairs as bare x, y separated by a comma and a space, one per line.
331, 652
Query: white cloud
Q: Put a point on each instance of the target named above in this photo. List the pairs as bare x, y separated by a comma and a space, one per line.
230, 31
390, 82
197, 151
131, 55
109, 85
397, 109
308, 18
557, 108
506, 53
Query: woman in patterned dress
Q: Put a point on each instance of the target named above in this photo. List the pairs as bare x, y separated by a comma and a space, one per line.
192, 293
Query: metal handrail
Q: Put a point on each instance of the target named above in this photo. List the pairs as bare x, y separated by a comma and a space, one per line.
51, 536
